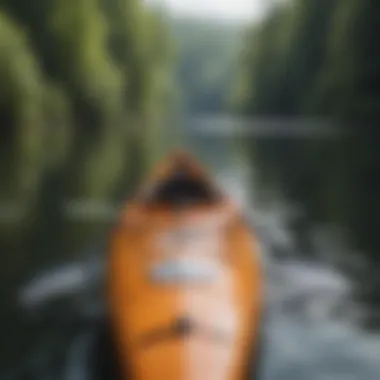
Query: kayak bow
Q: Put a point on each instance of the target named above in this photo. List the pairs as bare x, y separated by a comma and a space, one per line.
184, 280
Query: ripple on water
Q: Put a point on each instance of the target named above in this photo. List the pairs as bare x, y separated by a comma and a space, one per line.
326, 349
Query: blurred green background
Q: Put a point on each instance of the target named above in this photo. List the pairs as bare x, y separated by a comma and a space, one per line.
93, 92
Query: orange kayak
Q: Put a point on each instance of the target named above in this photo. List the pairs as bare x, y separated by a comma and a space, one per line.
184, 280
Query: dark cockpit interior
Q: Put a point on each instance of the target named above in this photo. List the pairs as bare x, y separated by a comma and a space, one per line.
182, 189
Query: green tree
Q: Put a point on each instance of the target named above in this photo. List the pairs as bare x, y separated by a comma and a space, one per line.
311, 58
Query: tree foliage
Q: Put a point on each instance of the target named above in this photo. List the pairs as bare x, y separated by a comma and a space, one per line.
74, 72
319, 58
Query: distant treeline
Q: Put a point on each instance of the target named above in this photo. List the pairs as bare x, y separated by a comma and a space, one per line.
208, 58
320, 59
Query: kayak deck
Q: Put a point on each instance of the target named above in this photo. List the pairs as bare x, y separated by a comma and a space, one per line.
184, 282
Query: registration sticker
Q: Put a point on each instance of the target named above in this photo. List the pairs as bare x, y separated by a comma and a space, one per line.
185, 270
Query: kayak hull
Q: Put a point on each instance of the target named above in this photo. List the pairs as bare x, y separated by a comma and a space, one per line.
185, 294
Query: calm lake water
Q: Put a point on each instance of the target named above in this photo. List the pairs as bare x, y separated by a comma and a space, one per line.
50, 299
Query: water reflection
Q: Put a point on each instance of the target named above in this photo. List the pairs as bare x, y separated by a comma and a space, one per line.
57, 282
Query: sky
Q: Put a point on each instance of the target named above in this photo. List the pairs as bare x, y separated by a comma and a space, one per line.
234, 10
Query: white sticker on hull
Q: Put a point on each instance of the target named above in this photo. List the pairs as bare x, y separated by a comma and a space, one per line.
185, 270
